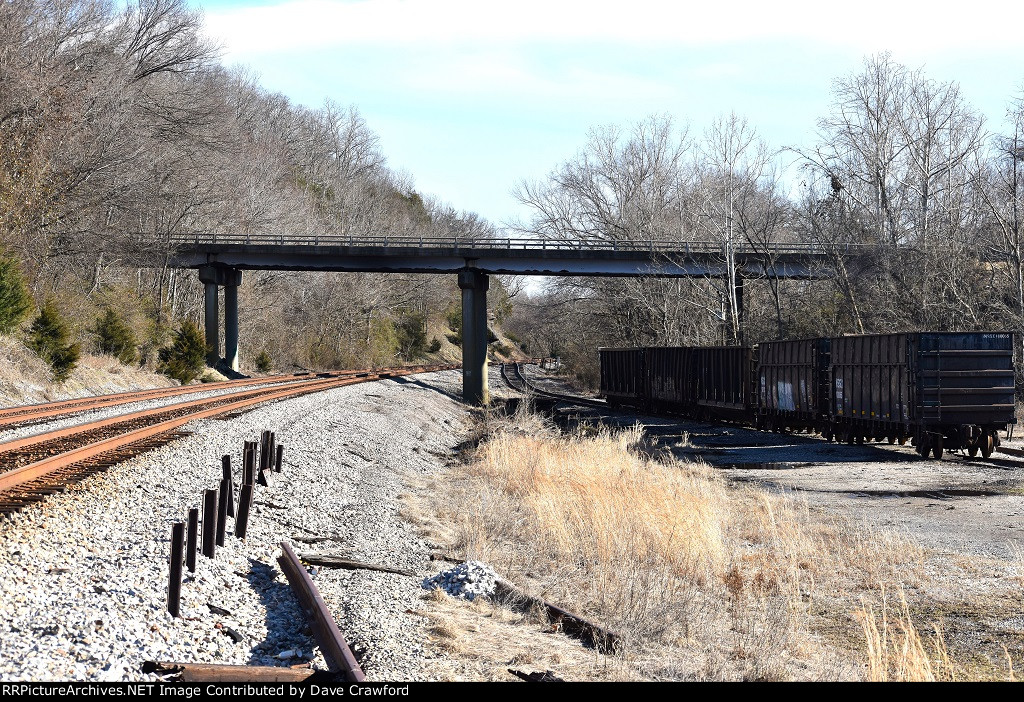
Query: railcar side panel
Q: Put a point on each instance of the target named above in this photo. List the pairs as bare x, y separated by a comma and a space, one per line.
792, 382
623, 376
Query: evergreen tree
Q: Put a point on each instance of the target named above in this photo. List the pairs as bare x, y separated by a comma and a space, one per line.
15, 301
264, 362
115, 338
185, 358
48, 337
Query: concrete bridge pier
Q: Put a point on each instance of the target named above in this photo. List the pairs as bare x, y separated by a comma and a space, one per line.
474, 336
212, 319
232, 279
212, 277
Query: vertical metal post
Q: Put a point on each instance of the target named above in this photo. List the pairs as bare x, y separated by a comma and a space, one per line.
739, 309
248, 464
264, 450
244, 503
280, 457
192, 538
222, 510
225, 463
174, 583
209, 523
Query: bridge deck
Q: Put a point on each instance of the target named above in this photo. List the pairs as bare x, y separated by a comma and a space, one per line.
500, 256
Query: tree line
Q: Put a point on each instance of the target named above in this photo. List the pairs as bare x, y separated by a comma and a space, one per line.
120, 129
901, 166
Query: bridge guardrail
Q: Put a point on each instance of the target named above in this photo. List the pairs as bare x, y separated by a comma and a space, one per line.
506, 243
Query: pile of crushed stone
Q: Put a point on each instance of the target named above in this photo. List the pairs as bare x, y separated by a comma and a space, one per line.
465, 580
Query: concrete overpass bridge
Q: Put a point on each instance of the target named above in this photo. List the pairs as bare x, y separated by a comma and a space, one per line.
221, 259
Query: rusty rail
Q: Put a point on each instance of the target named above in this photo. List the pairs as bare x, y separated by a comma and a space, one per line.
574, 625
218, 673
37, 470
336, 652
12, 416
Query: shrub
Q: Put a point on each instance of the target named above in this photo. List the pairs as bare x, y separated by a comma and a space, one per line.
185, 358
264, 362
411, 331
454, 318
48, 337
435, 345
64, 360
15, 301
115, 338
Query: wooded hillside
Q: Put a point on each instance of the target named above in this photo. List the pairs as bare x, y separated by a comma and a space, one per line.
120, 129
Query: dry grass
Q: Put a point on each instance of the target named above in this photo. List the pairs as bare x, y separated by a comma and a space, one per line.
25, 378
895, 649
703, 579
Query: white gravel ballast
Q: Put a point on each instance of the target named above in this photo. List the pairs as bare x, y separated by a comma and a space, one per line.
83, 574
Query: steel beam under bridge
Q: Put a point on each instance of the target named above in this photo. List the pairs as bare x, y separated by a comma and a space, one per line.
222, 258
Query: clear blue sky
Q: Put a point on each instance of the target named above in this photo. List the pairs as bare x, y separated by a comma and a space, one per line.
471, 96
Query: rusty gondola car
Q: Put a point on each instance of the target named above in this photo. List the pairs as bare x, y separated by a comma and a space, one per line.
942, 390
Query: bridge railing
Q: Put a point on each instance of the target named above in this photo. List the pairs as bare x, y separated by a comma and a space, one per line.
501, 243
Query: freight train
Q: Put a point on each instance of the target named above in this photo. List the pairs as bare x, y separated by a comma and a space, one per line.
939, 390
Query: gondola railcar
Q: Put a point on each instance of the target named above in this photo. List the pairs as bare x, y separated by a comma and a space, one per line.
942, 390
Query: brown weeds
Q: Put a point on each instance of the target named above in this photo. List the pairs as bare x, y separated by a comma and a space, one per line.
895, 649
702, 579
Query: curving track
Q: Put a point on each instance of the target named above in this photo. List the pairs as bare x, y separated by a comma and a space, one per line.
521, 384
39, 465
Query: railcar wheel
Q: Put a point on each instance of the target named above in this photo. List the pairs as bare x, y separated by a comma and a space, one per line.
937, 447
987, 445
903, 440
924, 446
972, 451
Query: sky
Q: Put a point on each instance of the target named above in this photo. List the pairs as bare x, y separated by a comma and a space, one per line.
472, 97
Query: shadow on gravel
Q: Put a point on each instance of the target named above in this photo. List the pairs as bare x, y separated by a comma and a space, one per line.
934, 494
406, 380
286, 625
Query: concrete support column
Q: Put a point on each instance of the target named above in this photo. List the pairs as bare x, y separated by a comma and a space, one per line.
474, 337
231, 319
211, 319
212, 277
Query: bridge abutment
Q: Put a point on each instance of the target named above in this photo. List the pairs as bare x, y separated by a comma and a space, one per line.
474, 336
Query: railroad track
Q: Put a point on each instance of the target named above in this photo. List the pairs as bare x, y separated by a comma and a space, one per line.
521, 384
22, 415
40, 465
